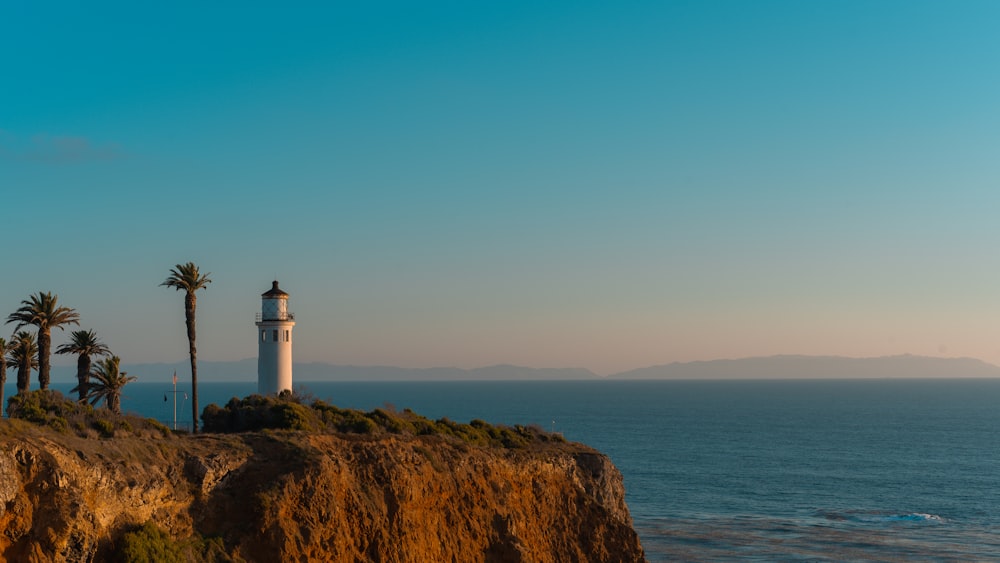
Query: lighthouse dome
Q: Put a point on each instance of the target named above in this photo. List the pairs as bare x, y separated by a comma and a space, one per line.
275, 292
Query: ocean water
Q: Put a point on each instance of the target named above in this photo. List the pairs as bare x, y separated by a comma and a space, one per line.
887, 470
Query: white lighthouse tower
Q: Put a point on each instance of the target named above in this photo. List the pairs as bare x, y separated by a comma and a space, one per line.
274, 340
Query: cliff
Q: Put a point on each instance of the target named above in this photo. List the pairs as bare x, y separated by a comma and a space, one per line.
306, 496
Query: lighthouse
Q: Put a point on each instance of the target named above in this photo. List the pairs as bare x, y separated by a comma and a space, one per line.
274, 342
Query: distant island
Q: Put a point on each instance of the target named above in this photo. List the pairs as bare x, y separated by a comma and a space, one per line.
770, 367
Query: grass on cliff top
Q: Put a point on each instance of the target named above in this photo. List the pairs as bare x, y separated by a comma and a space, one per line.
51, 409
292, 412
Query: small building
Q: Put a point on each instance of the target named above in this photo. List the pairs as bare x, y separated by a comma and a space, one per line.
274, 341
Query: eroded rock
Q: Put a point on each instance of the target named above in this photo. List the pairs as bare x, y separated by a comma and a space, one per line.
304, 497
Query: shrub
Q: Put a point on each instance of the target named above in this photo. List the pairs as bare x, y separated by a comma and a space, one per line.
293, 416
257, 412
390, 422
105, 427
287, 412
423, 427
58, 424
159, 427
51, 409
39, 406
149, 544
357, 423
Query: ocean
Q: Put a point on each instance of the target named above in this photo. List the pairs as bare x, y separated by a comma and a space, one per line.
828, 470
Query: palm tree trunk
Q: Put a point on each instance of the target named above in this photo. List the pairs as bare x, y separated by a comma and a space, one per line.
3, 380
83, 376
44, 346
190, 301
23, 379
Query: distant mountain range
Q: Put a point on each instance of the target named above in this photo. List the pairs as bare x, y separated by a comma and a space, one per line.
819, 367
771, 367
246, 370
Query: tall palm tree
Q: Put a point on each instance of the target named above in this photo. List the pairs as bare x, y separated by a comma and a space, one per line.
43, 311
23, 355
3, 371
186, 277
107, 384
83, 343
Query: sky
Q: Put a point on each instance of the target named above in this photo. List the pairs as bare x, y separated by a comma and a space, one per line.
606, 185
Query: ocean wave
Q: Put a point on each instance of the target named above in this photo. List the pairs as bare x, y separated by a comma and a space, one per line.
916, 517
874, 517
848, 535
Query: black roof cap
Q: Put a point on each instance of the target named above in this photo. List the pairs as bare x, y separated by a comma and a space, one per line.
274, 291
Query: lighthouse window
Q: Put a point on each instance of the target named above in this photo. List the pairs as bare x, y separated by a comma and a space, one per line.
274, 336
287, 336
263, 336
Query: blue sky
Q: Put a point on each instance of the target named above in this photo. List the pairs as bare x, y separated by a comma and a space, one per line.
592, 184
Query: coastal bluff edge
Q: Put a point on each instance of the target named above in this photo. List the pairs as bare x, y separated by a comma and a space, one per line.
308, 496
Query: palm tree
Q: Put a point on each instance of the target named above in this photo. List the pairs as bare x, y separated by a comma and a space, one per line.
3, 371
23, 355
108, 383
83, 343
42, 311
187, 277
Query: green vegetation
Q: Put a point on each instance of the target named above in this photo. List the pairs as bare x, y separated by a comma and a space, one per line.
288, 412
149, 544
187, 278
50, 408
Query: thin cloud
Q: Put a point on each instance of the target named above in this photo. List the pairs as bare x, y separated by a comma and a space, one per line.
58, 149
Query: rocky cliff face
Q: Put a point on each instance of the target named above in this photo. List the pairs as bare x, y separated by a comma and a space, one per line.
283, 496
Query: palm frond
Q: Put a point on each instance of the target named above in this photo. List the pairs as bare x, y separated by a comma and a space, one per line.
107, 382
23, 350
187, 277
84, 342
43, 310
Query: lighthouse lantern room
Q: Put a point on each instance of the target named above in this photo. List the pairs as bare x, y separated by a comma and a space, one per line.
274, 341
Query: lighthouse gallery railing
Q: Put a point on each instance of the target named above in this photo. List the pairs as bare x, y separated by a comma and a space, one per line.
274, 317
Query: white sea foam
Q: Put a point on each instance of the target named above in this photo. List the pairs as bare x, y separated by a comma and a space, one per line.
925, 517
864, 516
